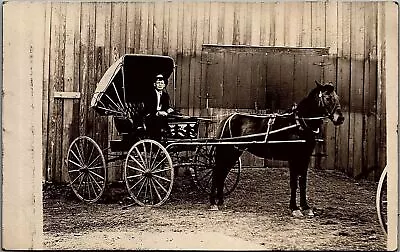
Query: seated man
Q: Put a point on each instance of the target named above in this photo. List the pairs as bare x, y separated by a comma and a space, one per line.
157, 108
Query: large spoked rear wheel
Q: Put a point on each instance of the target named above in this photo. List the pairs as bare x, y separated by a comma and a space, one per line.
148, 173
381, 200
87, 169
204, 165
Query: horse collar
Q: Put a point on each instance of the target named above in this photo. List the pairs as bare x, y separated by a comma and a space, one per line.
303, 126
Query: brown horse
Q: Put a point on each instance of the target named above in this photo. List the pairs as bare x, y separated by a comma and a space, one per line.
298, 127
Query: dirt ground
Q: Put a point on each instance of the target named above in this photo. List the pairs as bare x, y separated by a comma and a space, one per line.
255, 217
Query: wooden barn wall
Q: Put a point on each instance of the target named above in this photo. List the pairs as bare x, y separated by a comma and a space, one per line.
83, 39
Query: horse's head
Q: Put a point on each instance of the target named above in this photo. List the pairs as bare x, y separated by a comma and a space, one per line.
328, 102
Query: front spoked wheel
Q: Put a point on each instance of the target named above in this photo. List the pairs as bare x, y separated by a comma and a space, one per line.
87, 169
205, 163
148, 173
381, 200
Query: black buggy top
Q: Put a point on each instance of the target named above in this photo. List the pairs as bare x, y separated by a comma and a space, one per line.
127, 82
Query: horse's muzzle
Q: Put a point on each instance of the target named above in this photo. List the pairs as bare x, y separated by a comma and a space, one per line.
338, 119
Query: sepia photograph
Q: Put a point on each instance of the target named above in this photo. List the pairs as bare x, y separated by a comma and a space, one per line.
200, 125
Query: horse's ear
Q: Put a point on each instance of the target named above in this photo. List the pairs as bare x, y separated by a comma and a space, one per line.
329, 88
318, 84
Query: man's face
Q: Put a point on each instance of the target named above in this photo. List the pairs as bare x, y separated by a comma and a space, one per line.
159, 85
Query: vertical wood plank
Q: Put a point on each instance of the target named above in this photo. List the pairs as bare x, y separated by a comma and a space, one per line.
306, 35
244, 99
165, 35
144, 27
300, 81
228, 23
72, 24
56, 84
265, 23
185, 60
200, 10
343, 83
369, 94
242, 14
258, 79
45, 94
318, 24
330, 71
137, 27
286, 86
236, 25
230, 78
273, 81
131, 28
381, 87
356, 90
255, 14
221, 19
150, 28
293, 17
100, 66
279, 24
214, 17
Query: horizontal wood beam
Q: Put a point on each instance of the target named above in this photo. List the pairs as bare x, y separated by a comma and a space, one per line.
67, 95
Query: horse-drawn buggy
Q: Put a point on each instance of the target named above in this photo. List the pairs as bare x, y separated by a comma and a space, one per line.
149, 163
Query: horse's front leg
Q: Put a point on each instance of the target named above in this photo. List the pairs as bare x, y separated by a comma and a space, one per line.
293, 190
213, 194
303, 194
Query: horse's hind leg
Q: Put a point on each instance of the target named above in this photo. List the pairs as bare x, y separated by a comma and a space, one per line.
225, 158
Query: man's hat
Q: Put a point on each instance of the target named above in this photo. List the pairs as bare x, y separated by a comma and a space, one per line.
161, 77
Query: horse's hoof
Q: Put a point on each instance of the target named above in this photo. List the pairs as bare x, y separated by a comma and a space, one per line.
213, 208
309, 213
297, 214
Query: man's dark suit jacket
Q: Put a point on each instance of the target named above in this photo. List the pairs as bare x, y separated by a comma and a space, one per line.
151, 102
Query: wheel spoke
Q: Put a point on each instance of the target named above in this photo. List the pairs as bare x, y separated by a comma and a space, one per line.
168, 180
79, 160
140, 180
140, 156
207, 174
77, 170
153, 168
97, 175
145, 191
158, 171
160, 185
95, 181
91, 153
95, 168
134, 176
141, 169
74, 163
155, 189
88, 186
81, 152
94, 160
151, 191
145, 156
77, 177
141, 187
155, 157
80, 183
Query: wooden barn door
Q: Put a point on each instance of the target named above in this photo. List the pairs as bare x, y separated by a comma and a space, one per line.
258, 80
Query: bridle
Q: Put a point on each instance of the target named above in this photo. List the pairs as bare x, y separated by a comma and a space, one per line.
327, 113
321, 101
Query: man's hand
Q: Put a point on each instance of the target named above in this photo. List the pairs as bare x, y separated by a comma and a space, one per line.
170, 110
161, 113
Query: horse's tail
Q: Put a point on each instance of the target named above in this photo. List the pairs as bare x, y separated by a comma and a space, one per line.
225, 128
